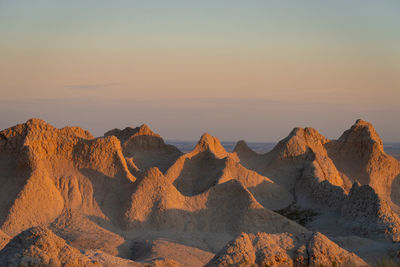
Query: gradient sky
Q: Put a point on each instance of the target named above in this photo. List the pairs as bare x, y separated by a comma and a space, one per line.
248, 70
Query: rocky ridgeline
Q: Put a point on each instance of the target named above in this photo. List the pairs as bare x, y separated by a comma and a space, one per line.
128, 198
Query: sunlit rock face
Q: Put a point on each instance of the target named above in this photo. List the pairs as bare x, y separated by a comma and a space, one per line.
263, 249
129, 199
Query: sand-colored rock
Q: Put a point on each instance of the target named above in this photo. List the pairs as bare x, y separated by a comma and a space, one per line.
103, 155
228, 207
27, 182
209, 164
4, 239
108, 260
369, 215
322, 251
263, 249
37, 192
100, 196
60, 169
243, 150
89, 178
194, 173
358, 154
320, 172
265, 191
39, 202
211, 143
85, 233
285, 163
300, 164
312, 191
40, 247
151, 251
145, 148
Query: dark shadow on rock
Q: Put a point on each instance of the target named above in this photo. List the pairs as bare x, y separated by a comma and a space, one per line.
309, 189
395, 193
229, 209
261, 193
15, 170
285, 171
199, 173
111, 194
150, 151
351, 163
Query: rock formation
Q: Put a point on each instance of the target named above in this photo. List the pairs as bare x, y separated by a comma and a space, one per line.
40, 247
146, 148
358, 154
263, 249
130, 199
320, 173
4, 239
209, 164
163, 249
286, 162
370, 215
224, 208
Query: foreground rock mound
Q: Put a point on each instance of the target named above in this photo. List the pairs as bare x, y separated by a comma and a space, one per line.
40, 247
263, 249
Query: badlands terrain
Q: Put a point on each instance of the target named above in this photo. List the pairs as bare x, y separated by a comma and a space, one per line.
129, 199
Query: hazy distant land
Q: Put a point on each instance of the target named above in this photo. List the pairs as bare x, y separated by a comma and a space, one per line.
392, 149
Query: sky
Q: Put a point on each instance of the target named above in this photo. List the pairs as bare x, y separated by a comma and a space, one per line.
248, 70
